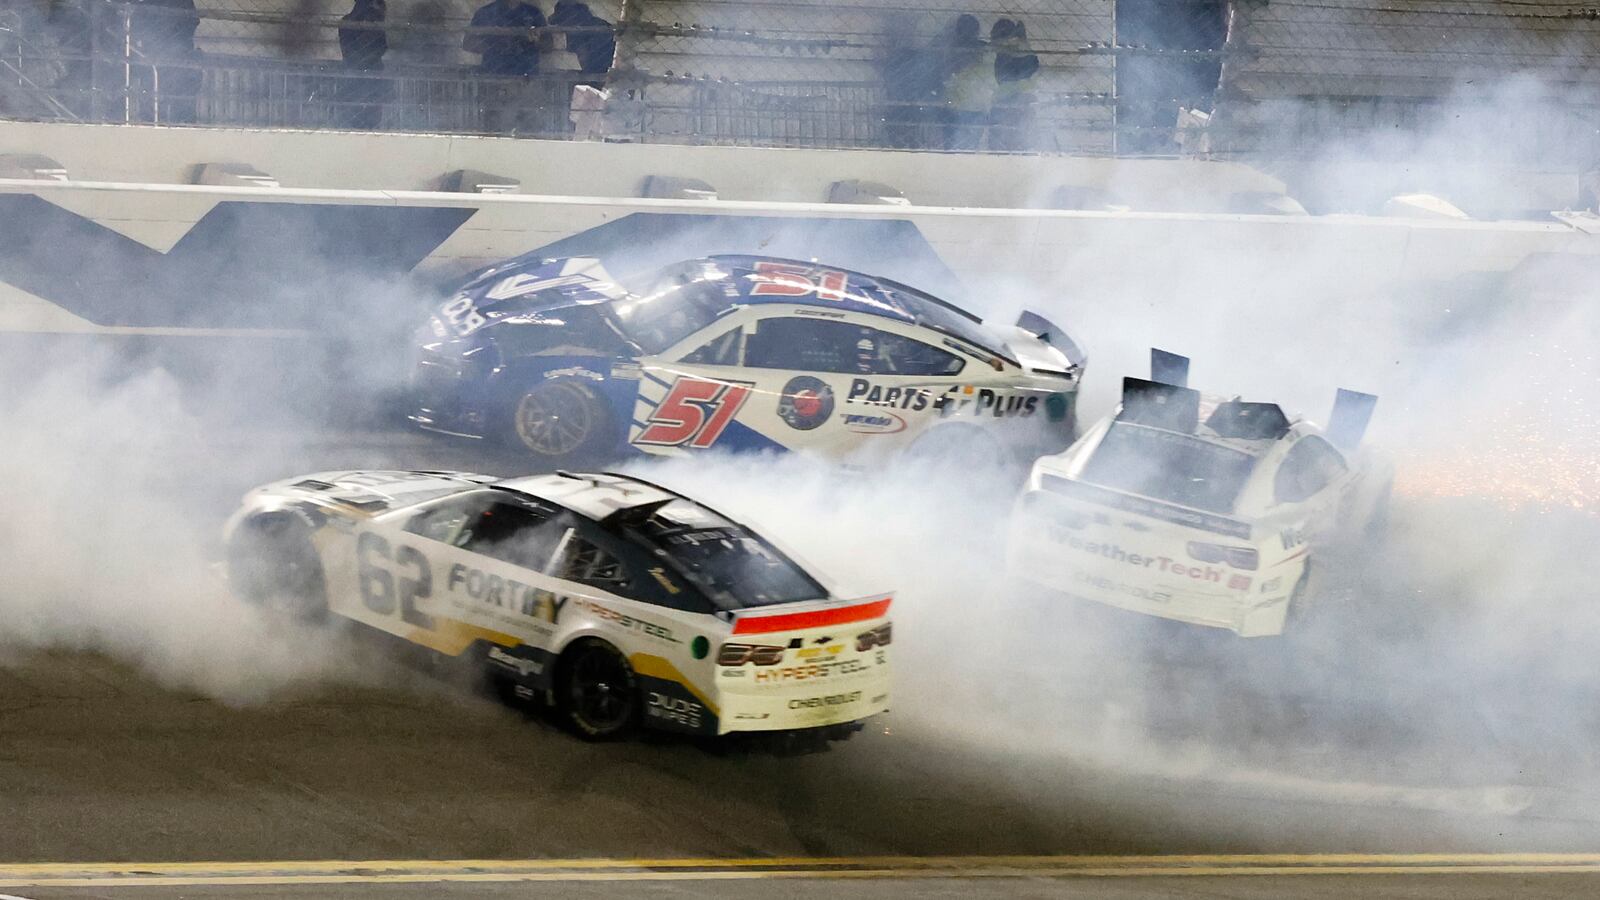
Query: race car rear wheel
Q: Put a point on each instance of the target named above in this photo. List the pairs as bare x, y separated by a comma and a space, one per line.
960, 448
1299, 612
272, 563
596, 691
559, 420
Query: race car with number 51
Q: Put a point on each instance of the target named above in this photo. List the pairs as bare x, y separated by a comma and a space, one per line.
618, 602
736, 353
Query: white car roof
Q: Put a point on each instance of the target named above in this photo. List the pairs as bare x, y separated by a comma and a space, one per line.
599, 495
591, 495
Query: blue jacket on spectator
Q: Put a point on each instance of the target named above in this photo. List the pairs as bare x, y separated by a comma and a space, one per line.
505, 54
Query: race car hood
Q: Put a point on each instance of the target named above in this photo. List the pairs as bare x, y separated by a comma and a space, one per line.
536, 285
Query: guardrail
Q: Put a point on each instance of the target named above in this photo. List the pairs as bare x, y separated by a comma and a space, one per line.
1111, 76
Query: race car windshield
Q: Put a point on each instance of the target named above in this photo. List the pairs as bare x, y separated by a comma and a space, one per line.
1165, 465
735, 568
662, 309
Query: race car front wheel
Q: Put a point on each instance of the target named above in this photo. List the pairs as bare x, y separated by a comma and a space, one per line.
272, 564
559, 420
596, 692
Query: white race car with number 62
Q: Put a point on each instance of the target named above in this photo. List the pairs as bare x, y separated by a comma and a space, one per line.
617, 601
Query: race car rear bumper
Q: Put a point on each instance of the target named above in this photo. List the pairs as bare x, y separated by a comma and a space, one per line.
1244, 616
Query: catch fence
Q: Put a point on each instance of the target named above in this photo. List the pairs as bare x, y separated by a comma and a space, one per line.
1124, 77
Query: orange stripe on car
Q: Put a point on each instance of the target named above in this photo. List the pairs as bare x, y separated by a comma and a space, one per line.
819, 618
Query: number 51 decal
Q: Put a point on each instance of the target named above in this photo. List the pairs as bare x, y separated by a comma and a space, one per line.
695, 412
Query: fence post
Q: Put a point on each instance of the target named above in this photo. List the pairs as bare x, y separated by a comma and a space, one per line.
1229, 98
127, 64
625, 77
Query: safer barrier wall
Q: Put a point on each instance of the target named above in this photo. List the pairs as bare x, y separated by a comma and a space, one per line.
87, 255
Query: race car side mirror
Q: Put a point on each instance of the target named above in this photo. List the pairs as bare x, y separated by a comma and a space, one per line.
1347, 424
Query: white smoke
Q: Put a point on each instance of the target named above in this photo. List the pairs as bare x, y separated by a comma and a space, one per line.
116, 477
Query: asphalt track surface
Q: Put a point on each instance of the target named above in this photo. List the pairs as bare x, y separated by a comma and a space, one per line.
106, 776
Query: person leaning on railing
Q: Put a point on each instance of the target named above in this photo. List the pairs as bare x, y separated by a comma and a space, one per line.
508, 103
163, 39
969, 86
911, 75
1015, 71
362, 96
594, 49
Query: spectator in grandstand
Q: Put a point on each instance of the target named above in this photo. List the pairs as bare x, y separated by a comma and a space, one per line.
166, 64
1015, 68
594, 49
362, 95
508, 103
911, 81
72, 28
506, 54
969, 86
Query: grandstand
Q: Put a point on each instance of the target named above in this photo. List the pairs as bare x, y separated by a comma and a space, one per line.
1260, 76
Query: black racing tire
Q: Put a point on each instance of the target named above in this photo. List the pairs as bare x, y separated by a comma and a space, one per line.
273, 564
596, 692
558, 421
1375, 531
1300, 612
961, 448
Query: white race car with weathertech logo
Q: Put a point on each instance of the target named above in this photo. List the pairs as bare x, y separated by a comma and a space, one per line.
617, 601
1198, 508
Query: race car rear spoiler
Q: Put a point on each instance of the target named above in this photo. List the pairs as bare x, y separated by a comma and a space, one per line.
1352, 412
1165, 402
1159, 405
761, 620
1169, 368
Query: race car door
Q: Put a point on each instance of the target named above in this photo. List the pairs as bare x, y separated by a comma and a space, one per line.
459, 570
797, 378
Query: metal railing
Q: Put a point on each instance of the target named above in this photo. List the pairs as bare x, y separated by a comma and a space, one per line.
1218, 77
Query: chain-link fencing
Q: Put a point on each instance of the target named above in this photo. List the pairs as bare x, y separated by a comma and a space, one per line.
1215, 77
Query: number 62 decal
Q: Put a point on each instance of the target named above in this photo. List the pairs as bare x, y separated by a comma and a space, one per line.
379, 590
695, 412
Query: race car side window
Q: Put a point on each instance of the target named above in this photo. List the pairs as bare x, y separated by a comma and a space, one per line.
1307, 468
444, 520
816, 345
519, 533
590, 556
722, 350
828, 345
900, 355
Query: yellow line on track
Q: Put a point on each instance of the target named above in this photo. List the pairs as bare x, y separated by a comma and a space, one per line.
179, 874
